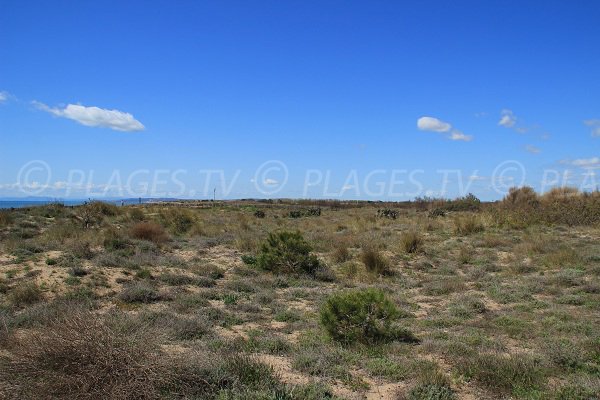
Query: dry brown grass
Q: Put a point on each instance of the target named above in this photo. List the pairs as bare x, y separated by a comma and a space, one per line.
80, 356
411, 242
149, 231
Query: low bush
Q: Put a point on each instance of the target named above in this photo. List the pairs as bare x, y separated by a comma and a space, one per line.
362, 316
179, 221
139, 292
149, 231
287, 252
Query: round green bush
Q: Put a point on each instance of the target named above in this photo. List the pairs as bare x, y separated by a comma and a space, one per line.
362, 315
287, 252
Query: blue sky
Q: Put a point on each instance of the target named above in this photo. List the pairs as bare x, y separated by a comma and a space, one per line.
334, 91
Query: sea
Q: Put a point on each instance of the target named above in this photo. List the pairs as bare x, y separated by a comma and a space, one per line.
36, 203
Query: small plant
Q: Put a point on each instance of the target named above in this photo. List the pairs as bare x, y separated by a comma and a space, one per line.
411, 242
149, 231
139, 292
374, 261
259, 214
286, 252
51, 261
364, 316
230, 298
248, 259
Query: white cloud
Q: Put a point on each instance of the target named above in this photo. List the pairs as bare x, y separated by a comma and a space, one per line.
507, 119
593, 162
436, 125
532, 149
433, 124
270, 182
4, 96
458, 135
595, 125
95, 117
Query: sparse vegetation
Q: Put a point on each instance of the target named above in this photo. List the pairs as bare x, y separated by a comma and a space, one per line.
503, 298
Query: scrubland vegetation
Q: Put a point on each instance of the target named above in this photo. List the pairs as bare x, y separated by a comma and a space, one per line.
428, 300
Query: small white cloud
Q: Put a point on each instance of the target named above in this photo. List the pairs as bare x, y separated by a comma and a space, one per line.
4, 96
507, 119
532, 149
270, 182
436, 125
595, 125
458, 135
95, 117
433, 125
347, 187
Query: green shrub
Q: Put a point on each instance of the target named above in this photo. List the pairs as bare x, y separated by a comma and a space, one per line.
411, 242
362, 315
179, 221
136, 214
287, 252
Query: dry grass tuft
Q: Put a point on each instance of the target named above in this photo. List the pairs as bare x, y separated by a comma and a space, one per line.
149, 231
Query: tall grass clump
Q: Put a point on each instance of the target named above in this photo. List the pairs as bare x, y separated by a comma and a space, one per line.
411, 242
468, 224
5, 218
375, 262
362, 316
287, 252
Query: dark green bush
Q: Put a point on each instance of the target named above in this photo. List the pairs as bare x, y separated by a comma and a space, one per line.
362, 315
287, 252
